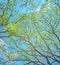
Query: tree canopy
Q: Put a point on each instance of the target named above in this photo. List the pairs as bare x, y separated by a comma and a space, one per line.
31, 32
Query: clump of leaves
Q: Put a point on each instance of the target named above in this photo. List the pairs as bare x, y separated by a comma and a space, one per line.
12, 28
3, 20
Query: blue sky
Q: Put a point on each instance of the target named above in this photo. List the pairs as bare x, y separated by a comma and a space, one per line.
28, 8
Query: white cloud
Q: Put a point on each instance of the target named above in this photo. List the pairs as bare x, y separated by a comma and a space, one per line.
38, 9
2, 42
49, 5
